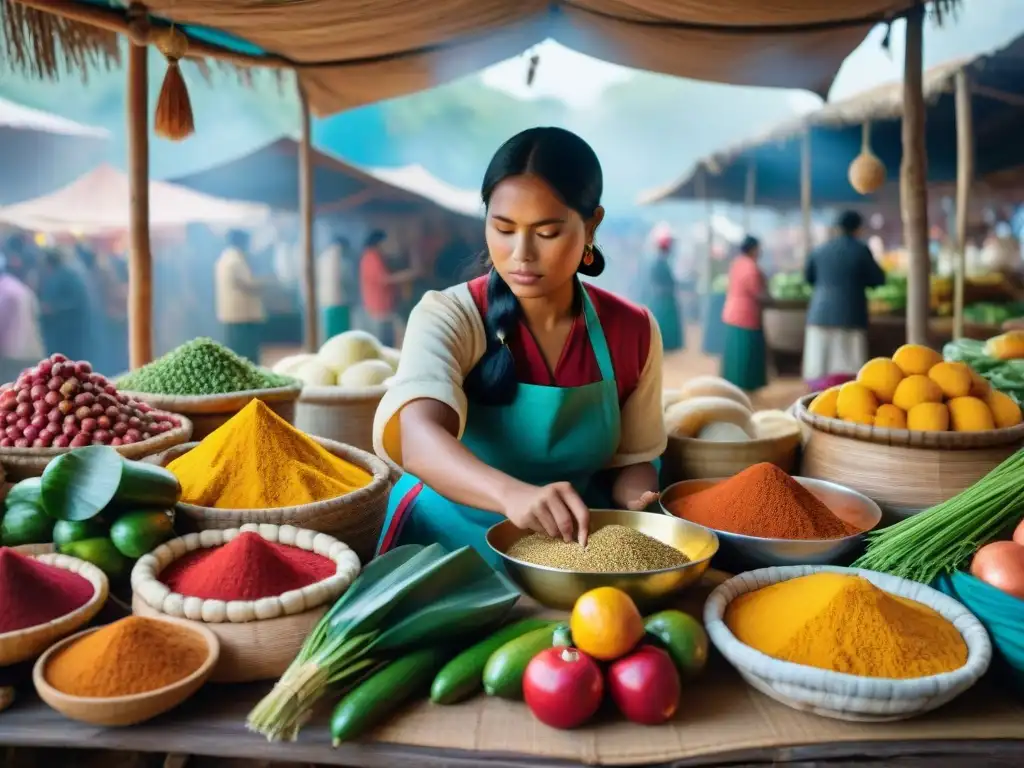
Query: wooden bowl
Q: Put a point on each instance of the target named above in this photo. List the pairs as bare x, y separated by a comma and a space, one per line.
691, 459
339, 414
28, 643
126, 710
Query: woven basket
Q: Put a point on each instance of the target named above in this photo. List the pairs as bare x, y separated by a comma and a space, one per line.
903, 471
342, 415
784, 324
356, 518
208, 412
691, 459
260, 638
28, 643
22, 463
838, 695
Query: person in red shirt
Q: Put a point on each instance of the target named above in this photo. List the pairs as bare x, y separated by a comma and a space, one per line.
379, 288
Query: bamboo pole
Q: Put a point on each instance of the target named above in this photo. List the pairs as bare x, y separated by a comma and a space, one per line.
805, 190
750, 194
913, 182
140, 260
964, 180
709, 212
306, 214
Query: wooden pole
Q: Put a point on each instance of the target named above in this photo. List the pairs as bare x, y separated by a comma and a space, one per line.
750, 194
913, 182
805, 190
140, 259
306, 213
709, 212
964, 179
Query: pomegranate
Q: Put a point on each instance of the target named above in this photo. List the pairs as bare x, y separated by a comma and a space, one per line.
563, 687
645, 686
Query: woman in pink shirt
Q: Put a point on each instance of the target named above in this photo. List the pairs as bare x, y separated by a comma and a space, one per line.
743, 363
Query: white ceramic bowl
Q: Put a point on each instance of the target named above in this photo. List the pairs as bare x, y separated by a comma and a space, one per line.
838, 695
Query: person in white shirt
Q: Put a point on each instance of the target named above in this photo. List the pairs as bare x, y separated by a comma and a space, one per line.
239, 298
336, 284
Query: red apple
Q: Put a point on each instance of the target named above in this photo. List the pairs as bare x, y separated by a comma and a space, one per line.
563, 687
645, 686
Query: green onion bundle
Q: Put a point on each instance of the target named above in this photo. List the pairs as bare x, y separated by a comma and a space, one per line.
412, 597
943, 538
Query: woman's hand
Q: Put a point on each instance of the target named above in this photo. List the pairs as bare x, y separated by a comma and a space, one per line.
645, 500
554, 509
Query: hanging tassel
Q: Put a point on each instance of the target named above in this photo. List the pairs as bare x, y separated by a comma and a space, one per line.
173, 119
866, 172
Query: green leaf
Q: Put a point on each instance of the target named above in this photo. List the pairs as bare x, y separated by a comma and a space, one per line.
26, 492
79, 484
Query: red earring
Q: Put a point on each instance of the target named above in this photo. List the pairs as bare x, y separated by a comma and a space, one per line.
588, 254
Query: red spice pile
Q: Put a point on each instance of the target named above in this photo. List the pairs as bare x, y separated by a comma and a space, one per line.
765, 502
247, 568
33, 592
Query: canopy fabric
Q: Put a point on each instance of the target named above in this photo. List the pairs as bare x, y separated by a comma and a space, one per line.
417, 179
17, 117
353, 52
269, 175
836, 137
99, 202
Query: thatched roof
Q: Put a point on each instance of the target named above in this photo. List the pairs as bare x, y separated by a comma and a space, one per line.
836, 132
352, 52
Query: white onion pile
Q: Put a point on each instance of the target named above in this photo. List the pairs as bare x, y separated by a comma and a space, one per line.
60, 403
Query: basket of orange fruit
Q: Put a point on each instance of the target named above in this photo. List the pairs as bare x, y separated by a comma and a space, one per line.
564, 671
911, 431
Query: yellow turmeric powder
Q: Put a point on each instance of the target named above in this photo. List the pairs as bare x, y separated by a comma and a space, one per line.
257, 460
846, 624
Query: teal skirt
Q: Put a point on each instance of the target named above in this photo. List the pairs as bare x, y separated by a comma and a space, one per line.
743, 361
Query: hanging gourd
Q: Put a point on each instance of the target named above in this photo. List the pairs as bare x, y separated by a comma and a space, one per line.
173, 119
867, 172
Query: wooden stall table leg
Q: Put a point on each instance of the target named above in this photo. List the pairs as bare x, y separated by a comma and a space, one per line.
176, 761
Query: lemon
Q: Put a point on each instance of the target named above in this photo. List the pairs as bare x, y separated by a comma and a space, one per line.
1005, 412
890, 417
855, 400
605, 623
928, 417
954, 379
881, 376
916, 359
914, 390
824, 404
969, 414
980, 386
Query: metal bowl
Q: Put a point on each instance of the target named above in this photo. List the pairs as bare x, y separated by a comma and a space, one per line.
557, 588
750, 552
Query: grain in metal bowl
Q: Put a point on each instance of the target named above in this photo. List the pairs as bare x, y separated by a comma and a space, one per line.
558, 588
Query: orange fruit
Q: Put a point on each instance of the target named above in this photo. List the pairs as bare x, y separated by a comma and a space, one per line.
606, 624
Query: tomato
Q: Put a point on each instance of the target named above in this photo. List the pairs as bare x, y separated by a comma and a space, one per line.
563, 687
1001, 564
645, 686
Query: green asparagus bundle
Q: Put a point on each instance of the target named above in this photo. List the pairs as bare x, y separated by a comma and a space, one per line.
944, 538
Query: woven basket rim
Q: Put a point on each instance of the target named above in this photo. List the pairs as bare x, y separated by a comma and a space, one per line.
155, 444
367, 461
81, 614
332, 395
991, 438
285, 393
147, 568
760, 665
754, 442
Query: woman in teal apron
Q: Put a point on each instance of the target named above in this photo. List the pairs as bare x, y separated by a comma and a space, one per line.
584, 431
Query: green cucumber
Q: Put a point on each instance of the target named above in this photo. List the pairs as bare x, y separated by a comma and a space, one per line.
562, 636
67, 531
462, 677
25, 523
139, 532
28, 491
366, 705
503, 673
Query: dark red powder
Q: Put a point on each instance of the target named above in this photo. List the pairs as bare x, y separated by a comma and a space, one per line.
246, 568
765, 502
33, 592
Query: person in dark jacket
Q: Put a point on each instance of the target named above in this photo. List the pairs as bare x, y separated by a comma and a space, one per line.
840, 271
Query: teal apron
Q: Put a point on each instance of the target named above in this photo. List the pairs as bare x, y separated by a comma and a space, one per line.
546, 435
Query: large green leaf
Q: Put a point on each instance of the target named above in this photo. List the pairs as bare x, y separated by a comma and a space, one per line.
79, 484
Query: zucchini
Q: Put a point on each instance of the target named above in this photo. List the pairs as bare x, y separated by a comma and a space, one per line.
366, 705
503, 673
462, 677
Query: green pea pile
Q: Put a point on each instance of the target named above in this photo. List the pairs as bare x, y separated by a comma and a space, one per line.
200, 367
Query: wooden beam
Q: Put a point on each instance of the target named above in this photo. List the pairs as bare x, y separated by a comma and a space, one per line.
913, 182
805, 191
140, 260
964, 180
306, 218
1013, 99
750, 194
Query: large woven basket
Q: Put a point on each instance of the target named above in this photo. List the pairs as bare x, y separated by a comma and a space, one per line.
207, 412
903, 471
258, 638
691, 459
838, 695
356, 518
784, 324
28, 643
339, 414
21, 463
